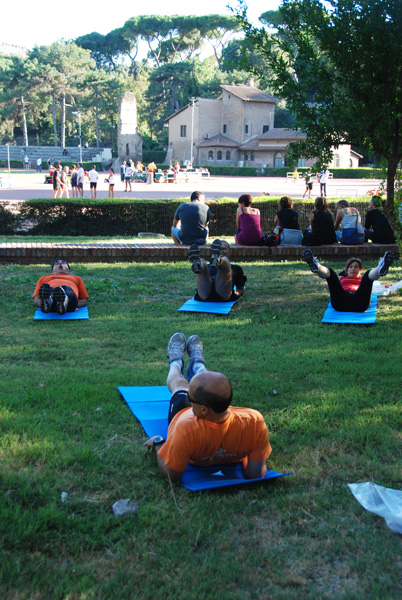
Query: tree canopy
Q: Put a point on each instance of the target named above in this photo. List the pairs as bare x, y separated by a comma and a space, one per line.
338, 64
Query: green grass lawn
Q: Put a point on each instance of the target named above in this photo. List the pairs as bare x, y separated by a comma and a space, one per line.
331, 396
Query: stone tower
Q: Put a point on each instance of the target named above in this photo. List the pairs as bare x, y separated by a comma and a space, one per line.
129, 141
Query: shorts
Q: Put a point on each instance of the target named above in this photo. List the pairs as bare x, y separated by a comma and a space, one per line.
80, 185
111, 184
92, 185
310, 186
215, 297
56, 186
127, 178
178, 401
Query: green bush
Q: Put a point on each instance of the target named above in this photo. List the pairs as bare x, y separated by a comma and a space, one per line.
157, 156
127, 217
9, 222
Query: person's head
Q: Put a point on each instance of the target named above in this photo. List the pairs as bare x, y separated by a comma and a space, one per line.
93, 167
65, 169
353, 267
225, 248
197, 197
112, 171
342, 204
210, 391
285, 202
59, 167
245, 200
74, 167
376, 202
60, 265
80, 165
321, 204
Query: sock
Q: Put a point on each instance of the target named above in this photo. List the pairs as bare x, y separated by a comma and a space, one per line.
198, 366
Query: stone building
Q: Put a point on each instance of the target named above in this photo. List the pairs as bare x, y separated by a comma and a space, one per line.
129, 141
237, 129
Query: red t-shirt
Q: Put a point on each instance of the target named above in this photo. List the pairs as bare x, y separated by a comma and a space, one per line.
73, 281
350, 284
204, 443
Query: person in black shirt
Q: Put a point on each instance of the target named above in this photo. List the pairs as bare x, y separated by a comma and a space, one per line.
378, 229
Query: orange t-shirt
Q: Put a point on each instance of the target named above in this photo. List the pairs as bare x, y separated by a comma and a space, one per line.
73, 281
204, 443
350, 284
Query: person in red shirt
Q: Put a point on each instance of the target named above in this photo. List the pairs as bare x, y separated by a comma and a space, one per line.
60, 292
350, 292
204, 429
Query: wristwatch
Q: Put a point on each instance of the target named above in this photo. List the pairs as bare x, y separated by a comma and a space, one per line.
159, 440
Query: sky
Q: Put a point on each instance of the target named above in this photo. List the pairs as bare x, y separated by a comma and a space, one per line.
40, 25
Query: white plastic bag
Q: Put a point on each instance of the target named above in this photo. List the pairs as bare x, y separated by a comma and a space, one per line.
382, 501
384, 290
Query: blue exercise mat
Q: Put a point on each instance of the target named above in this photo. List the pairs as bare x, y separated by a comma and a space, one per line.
218, 308
80, 313
150, 406
334, 316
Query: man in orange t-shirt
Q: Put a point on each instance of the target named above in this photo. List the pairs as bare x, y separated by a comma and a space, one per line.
60, 292
203, 428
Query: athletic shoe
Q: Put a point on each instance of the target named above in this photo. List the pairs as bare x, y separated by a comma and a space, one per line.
195, 351
216, 251
194, 258
60, 299
46, 297
310, 260
176, 348
384, 263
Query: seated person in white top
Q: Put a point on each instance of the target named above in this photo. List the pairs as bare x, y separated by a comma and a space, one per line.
346, 217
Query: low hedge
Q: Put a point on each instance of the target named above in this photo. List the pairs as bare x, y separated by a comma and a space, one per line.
128, 217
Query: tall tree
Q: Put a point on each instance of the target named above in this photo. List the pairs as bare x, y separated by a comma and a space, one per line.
339, 66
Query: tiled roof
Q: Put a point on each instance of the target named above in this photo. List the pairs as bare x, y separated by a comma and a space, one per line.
218, 140
248, 93
280, 133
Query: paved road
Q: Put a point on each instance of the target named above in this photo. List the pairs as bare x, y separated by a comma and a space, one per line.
30, 185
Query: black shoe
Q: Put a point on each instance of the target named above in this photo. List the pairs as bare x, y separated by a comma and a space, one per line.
46, 297
60, 299
216, 251
384, 263
194, 258
310, 260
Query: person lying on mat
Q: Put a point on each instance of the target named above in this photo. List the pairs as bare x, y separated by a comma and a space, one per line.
216, 281
204, 429
350, 292
60, 292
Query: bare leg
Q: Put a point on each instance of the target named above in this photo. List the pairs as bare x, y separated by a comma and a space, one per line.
204, 283
223, 282
176, 380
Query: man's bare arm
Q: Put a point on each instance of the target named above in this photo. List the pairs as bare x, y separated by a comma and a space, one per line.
168, 474
253, 469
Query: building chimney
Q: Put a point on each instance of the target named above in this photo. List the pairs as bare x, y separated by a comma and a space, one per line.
251, 82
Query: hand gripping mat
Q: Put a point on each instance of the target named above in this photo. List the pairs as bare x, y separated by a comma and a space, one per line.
150, 406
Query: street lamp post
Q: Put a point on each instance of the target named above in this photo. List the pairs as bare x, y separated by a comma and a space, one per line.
192, 100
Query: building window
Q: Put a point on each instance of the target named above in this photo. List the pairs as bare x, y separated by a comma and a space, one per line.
265, 128
219, 155
227, 154
246, 129
252, 156
225, 128
246, 156
301, 162
183, 130
336, 160
278, 160
210, 155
